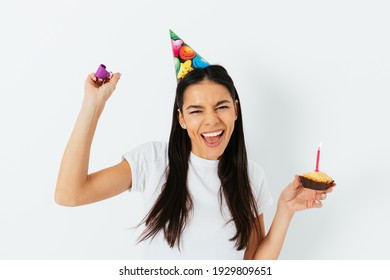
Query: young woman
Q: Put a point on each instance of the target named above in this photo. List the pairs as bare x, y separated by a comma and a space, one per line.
205, 198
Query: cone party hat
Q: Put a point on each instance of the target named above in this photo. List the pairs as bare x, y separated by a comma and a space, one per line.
184, 57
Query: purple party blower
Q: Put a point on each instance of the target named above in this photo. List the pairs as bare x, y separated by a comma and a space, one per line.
102, 73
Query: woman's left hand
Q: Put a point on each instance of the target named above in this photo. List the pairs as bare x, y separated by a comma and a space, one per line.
296, 198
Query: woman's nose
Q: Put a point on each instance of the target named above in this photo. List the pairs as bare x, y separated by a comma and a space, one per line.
211, 118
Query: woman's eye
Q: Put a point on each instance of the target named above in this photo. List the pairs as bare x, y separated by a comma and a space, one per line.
222, 107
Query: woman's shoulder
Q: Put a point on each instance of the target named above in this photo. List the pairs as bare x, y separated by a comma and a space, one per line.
149, 151
256, 174
259, 185
153, 146
255, 169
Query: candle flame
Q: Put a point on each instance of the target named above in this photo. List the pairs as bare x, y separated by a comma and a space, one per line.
320, 145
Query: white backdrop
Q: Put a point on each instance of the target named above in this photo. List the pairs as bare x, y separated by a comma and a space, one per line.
306, 71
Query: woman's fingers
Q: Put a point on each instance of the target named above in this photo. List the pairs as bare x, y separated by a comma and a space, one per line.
320, 196
115, 78
295, 184
317, 204
91, 79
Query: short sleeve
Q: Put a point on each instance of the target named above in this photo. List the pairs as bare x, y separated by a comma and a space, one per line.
147, 161
260, 186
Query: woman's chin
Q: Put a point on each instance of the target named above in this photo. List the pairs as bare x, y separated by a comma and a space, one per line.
214, 153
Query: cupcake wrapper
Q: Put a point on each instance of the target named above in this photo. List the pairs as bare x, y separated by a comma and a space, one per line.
318, 186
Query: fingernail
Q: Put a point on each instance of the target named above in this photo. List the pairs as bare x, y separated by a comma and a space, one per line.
317, 202
323, 195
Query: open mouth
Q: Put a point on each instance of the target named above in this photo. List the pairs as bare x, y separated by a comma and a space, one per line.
213, 139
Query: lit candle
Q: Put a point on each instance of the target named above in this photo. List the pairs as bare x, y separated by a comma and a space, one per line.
318, 157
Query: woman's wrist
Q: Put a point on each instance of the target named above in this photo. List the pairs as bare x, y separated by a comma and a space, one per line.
92, 105
285, 208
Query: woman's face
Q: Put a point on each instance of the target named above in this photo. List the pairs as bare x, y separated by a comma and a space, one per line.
209, 113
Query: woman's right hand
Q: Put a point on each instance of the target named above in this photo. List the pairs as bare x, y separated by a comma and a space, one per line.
98, 92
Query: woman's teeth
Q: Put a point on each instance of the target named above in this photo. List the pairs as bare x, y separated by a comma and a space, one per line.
212, 134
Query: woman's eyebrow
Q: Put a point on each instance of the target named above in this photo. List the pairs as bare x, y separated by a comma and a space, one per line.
201, 107
222, 102
194, 107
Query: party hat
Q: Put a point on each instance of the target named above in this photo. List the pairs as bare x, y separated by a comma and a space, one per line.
184, 57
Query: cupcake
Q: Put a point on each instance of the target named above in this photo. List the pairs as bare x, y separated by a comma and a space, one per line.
316, 180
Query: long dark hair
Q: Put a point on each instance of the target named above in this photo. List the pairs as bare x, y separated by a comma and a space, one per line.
172, 209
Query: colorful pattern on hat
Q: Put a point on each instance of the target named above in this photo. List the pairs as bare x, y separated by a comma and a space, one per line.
184, 57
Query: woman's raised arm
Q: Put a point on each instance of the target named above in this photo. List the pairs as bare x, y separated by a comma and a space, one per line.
74, 185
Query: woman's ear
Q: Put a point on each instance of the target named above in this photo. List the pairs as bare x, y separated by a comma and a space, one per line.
236, 108
180, 118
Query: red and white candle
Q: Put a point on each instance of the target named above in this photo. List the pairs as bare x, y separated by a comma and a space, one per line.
318, 157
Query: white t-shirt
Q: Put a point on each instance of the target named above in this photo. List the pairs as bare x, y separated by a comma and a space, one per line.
207, 234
